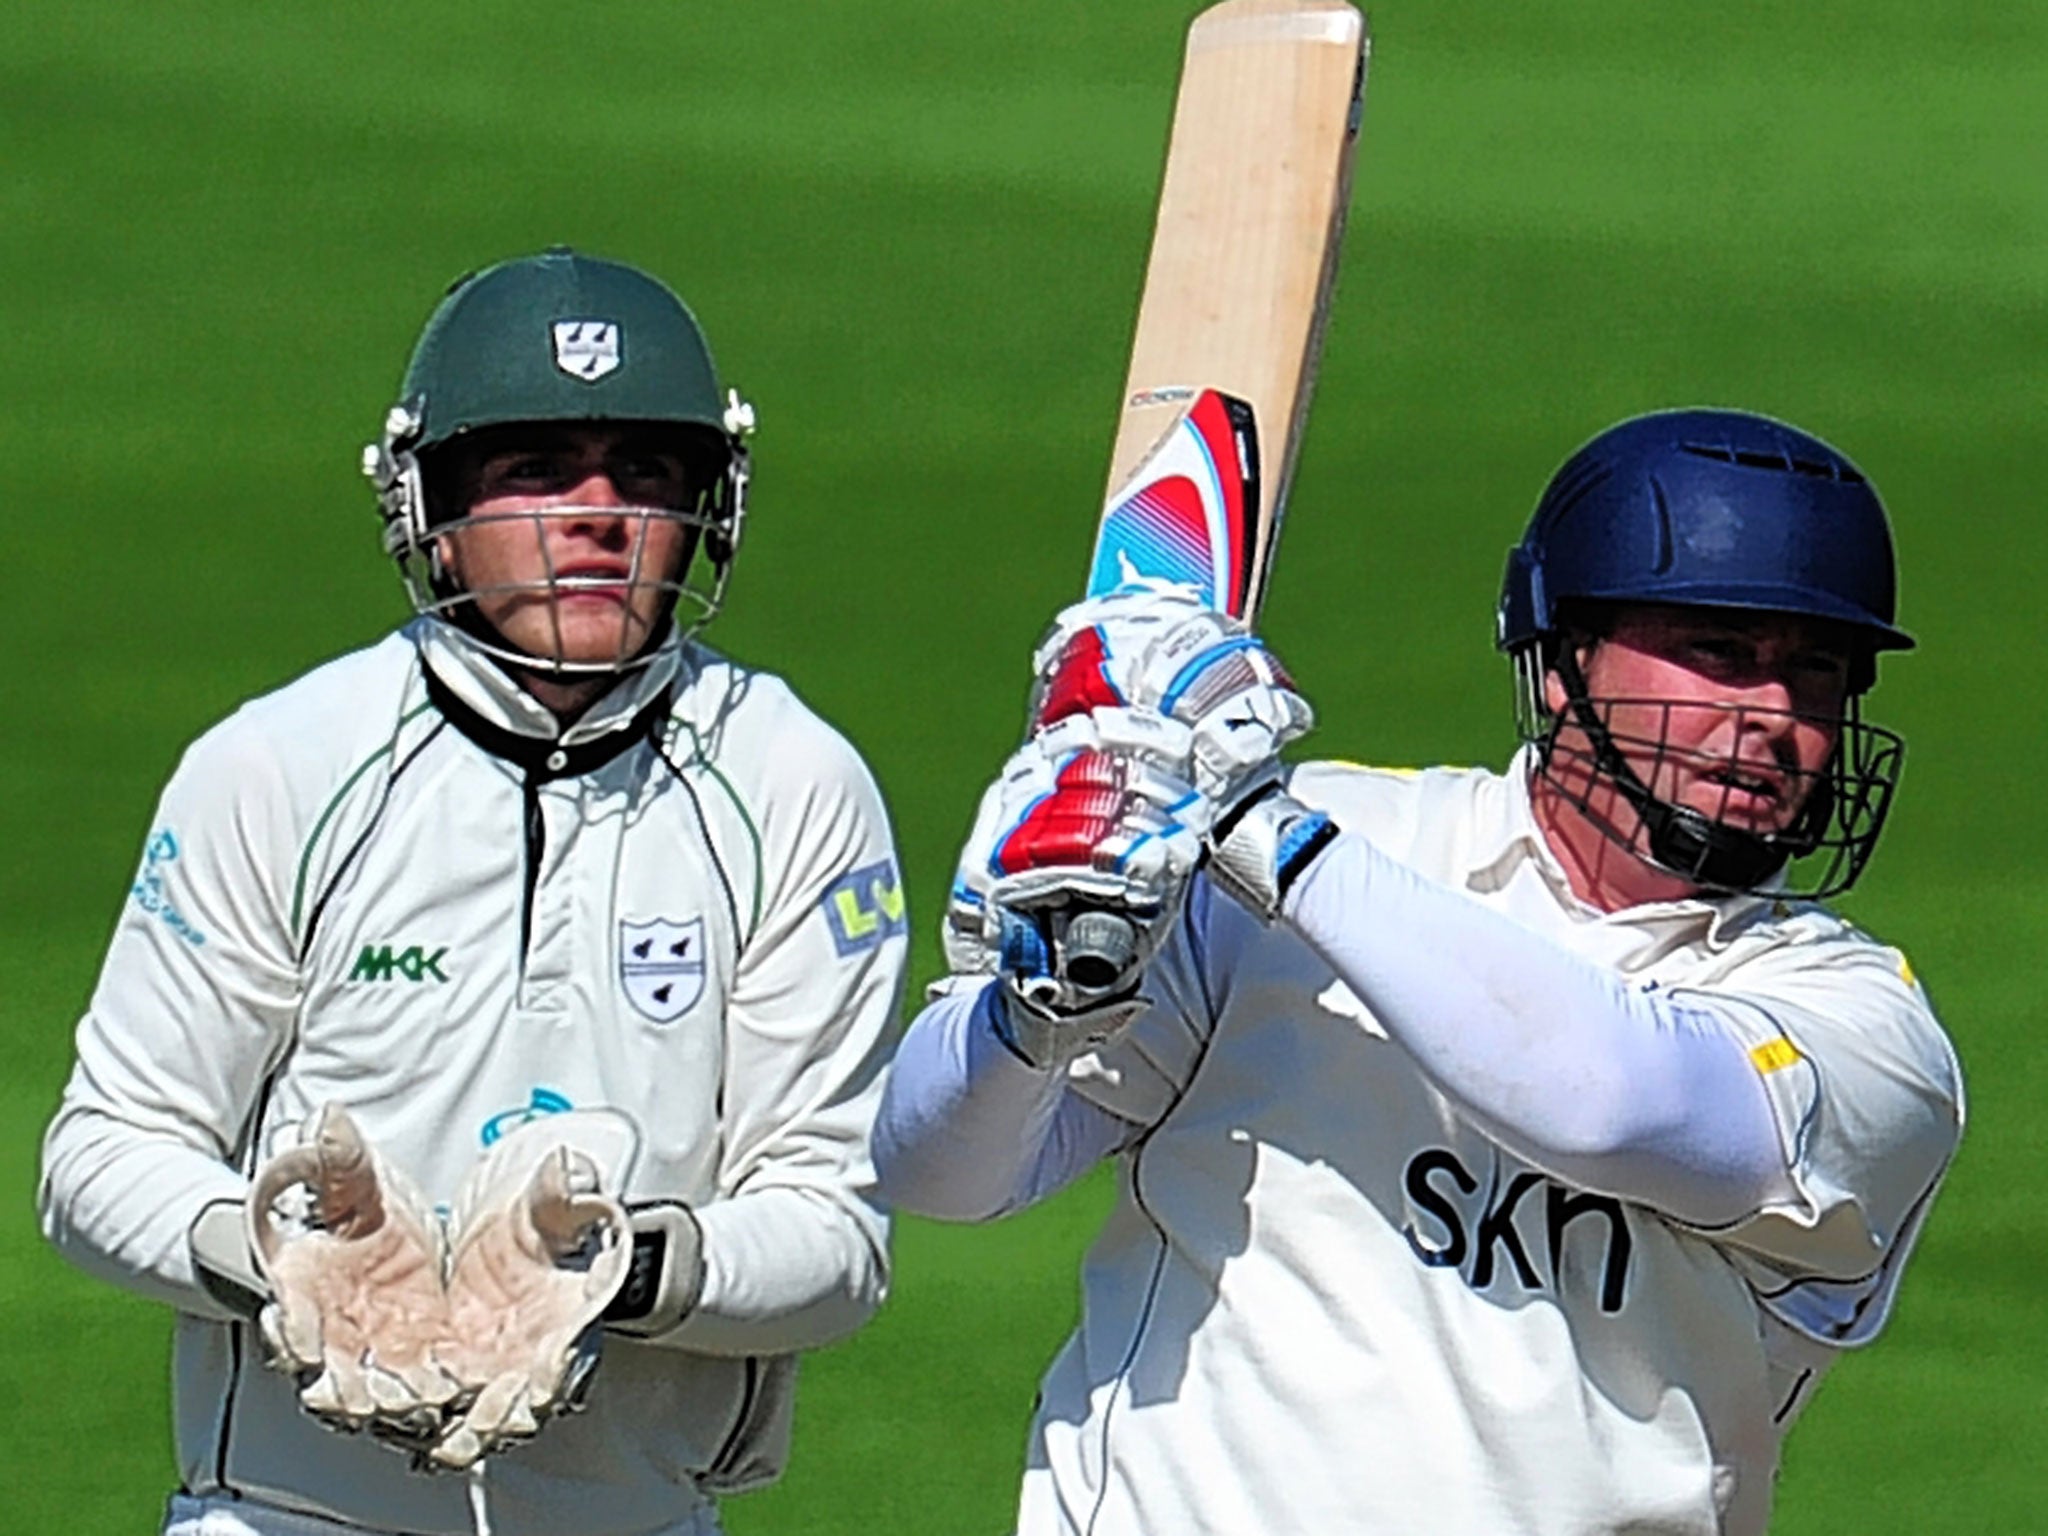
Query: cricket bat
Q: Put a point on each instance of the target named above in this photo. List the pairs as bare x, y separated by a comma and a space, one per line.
1230, 325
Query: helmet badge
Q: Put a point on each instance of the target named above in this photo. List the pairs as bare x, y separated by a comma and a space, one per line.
586, 349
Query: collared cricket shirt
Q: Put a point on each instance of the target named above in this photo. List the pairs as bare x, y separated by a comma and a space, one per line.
392, 885
1327, 1300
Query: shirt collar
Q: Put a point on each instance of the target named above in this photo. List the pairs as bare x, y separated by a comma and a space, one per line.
1511, 840
469, 672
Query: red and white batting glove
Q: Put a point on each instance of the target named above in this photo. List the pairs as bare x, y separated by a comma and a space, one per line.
1095, 830
1201, 668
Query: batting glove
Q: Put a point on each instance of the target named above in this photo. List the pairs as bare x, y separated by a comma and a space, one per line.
1089, 659
1263, 845
1090, 866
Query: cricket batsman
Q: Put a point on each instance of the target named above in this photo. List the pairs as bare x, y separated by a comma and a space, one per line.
1497, 1151
495, 1024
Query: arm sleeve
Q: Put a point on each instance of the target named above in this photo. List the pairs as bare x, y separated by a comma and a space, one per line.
796, 1247
968, 1131
1869, 1102
194, 1005
1630, 1091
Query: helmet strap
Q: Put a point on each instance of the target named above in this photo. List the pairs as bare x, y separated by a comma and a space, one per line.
1681, 840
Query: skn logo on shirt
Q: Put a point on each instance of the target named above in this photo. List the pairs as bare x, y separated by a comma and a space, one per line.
1512, 1235
387, 962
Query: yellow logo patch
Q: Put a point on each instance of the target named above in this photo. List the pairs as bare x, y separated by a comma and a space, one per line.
1773, 1055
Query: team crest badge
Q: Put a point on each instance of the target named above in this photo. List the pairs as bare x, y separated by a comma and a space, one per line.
661, 966
587, 349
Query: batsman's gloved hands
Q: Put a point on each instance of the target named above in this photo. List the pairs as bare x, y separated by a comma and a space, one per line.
972, 934
1154, 648
538, 1250
1261, 846
1089, 658
1096, 840
350, 1257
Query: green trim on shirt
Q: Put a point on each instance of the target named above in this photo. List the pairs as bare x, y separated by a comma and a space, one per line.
347, 784
699, 759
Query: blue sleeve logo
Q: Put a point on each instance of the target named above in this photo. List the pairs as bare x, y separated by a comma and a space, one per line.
149, 891
865, 907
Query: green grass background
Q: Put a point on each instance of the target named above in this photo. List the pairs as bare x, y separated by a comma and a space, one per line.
915, 232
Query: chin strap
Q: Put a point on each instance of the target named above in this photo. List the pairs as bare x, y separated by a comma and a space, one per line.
1681, 839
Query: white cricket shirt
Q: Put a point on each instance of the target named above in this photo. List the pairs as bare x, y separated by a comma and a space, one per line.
390, 885
1327, 1301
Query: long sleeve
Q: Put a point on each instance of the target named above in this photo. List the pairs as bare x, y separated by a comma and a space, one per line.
1629, 1090
968, 1131
796, 1248
194, 1005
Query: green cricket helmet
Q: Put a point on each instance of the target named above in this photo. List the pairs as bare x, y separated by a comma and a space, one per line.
558, 339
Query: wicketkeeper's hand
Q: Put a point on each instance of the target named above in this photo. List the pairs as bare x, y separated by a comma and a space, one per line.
351, 1258
538, 1249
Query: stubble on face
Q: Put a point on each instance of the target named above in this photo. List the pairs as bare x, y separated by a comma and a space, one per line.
1729, 713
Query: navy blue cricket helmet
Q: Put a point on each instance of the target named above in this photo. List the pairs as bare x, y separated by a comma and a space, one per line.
1715, 509
1711, 508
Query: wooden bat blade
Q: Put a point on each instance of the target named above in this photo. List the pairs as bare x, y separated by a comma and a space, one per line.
1251, 214
1189, 513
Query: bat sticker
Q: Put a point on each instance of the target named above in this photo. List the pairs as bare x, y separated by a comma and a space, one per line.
1187, 515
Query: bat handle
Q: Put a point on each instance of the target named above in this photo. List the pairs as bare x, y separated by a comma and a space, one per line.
1098, 950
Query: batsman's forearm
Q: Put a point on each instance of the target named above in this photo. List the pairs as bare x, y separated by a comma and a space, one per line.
1606, 1084
968, 1131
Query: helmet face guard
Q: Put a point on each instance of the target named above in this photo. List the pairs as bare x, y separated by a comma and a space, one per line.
1617, 759
1723, 510
652, 599
562, 340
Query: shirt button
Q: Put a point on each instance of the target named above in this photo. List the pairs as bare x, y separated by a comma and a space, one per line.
556, 761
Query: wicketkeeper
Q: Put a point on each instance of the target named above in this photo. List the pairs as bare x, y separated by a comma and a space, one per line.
495, 1024
1496, 1151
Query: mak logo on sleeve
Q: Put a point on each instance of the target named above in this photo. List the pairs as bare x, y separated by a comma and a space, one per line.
865, 907
661, 966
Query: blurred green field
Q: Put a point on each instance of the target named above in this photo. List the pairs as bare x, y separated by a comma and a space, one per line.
915, 233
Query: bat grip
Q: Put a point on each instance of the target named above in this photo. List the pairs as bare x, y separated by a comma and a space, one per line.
1098, 950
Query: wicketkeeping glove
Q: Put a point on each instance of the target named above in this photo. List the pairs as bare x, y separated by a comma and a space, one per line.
351, 1258
667, 1273
538, 1250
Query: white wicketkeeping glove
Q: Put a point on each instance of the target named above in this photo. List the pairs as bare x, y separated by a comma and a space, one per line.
351, 1257
538, 1250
